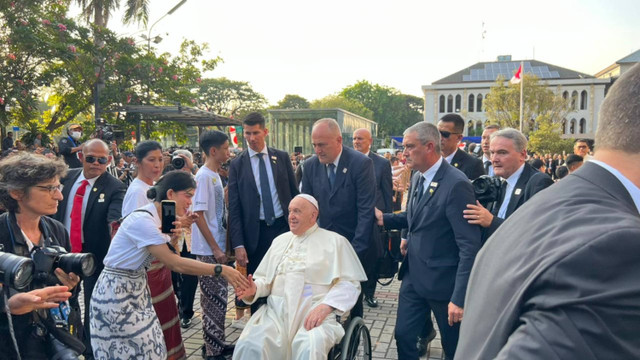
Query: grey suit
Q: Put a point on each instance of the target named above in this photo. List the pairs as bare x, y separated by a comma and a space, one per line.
559, 279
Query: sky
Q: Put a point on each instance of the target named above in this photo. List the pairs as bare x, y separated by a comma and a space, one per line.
316, 48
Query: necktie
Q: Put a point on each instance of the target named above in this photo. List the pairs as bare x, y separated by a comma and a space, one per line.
267, 201
419, 190
486, 166
75, 234
331, 174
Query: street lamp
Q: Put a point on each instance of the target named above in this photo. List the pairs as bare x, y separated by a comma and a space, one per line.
154, 24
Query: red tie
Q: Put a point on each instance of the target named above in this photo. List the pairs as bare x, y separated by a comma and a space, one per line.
75, 235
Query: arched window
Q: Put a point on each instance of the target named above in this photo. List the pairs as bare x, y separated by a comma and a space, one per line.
472, 99
572, 126
583, 100
479, 103
458, 103
574, 100
470, 131
441, 104
449, 103
564, 126
583, 126
565, 95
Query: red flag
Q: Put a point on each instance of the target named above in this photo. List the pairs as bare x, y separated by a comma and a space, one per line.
234, 136
517, 77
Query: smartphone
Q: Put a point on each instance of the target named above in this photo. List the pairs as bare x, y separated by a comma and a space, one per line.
168, 215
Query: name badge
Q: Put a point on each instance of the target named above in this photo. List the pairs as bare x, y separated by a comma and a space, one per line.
518, 191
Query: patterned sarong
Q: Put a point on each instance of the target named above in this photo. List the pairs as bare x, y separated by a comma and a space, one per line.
213, 301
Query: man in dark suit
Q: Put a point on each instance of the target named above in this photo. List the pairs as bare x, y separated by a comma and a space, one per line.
92, 201
486, 151
451, 128
559, 279
522, 181
384, 202
441, 244
342, 181
261, 185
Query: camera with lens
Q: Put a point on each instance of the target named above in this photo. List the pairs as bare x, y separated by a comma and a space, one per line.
15, 271
108, 132
487, 189
178, 162
47, 259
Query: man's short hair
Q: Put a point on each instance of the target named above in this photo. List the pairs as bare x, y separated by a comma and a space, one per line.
537, 164
254, 118
492, 127
561, 172
519, 140
572, 160
457, 120
619, 118
212, 138
425, 133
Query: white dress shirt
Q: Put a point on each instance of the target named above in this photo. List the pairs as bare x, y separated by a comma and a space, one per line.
85, 200
450, 157
511, 184
633, 190
255, 166
485, 159
429, 174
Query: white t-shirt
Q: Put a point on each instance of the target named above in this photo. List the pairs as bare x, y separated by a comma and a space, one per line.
136, 196
128, 249
209, 197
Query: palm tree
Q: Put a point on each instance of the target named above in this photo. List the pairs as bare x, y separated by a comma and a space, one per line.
136, 11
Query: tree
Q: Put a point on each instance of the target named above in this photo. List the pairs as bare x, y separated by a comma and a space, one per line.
229, 98
292, 102
547, 138
335, 101
100, 11
502, 104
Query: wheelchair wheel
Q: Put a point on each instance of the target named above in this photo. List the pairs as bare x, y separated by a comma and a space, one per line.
356, 343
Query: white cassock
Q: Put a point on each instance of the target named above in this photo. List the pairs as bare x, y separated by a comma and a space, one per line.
298, 273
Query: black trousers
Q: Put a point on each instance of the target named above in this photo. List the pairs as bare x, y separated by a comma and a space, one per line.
265, 238
185, 287
412, 311
88, 283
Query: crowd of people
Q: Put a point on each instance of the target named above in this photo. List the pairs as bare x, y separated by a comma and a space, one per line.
300, 238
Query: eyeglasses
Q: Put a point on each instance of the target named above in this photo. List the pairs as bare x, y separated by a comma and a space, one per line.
446, 134
51, 188
91, 159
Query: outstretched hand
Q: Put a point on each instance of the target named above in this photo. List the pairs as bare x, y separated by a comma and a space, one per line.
45, 298
248, 291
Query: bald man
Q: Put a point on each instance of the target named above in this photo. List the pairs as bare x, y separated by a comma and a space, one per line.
302, 292
362, 140
92, 200
343, 182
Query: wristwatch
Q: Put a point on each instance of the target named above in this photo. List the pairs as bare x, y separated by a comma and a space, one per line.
217, 270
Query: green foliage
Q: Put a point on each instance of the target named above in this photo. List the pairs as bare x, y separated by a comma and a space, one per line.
229, 98
99, 11
335, 101
502, 104
33, 128
292, 102
547, 138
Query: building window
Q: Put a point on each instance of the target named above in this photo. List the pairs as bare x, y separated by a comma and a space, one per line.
479, 103
583, 100
441, 104
574, 100
565, 95
572, 127
472, 99
458, 103
583, 126
479, 128
564, 126
449, 103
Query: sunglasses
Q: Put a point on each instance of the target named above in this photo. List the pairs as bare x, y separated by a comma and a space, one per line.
91, 159
446, 134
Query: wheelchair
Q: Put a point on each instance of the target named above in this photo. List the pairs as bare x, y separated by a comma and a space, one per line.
356, 342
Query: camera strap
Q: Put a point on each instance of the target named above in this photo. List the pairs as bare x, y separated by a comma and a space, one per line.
5, 294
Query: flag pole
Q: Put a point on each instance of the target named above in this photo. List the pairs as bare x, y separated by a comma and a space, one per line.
521, 97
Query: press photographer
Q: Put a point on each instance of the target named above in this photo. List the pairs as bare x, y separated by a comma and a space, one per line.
508, 154
30, 190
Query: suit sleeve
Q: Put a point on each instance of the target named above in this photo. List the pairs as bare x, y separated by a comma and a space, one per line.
396, 222
235, 206
307, 183
293, 186
387, 188
467, 236
478, 169
365, 202
537, 183
115, 206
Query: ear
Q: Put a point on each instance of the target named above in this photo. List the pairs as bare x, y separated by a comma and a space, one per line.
171, 194
266, 131
111, 158
81, 156
16, 195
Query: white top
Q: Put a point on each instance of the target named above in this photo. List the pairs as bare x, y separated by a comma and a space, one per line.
209, 198
255, 166
72, 196
511, 183
633, 190
450, 157
136, 196
128, 249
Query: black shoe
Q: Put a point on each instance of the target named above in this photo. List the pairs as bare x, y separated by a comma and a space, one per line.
371, 301
423, 343
228, 349
185, 323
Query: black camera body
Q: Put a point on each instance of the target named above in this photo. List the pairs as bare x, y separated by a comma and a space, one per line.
108, 133
47, 259
178, 162
487, 189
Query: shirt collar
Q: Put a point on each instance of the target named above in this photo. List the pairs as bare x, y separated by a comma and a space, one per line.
450, 157
337, 160
513, 179
431, 172
485, 158
264, 151
82, 177
633, 190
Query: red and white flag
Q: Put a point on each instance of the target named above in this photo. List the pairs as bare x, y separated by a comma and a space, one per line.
517, 77
234, 136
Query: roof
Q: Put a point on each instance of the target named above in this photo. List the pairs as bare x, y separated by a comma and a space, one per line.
182, 114
489, 71
634, 57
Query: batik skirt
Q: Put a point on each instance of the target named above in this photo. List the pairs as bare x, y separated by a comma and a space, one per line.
123, 322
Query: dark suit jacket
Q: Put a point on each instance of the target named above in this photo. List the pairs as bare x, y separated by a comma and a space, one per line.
98, 214
529, 183
559, 279
384, 182
469, 165
244, 198
442, 244
348, 209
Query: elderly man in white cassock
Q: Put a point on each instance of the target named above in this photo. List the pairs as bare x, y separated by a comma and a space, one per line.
308, 274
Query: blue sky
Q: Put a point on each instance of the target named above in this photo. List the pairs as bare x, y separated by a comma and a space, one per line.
315, 48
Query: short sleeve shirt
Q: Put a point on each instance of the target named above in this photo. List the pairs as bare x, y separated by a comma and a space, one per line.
139, 230
136, 196
209, 198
